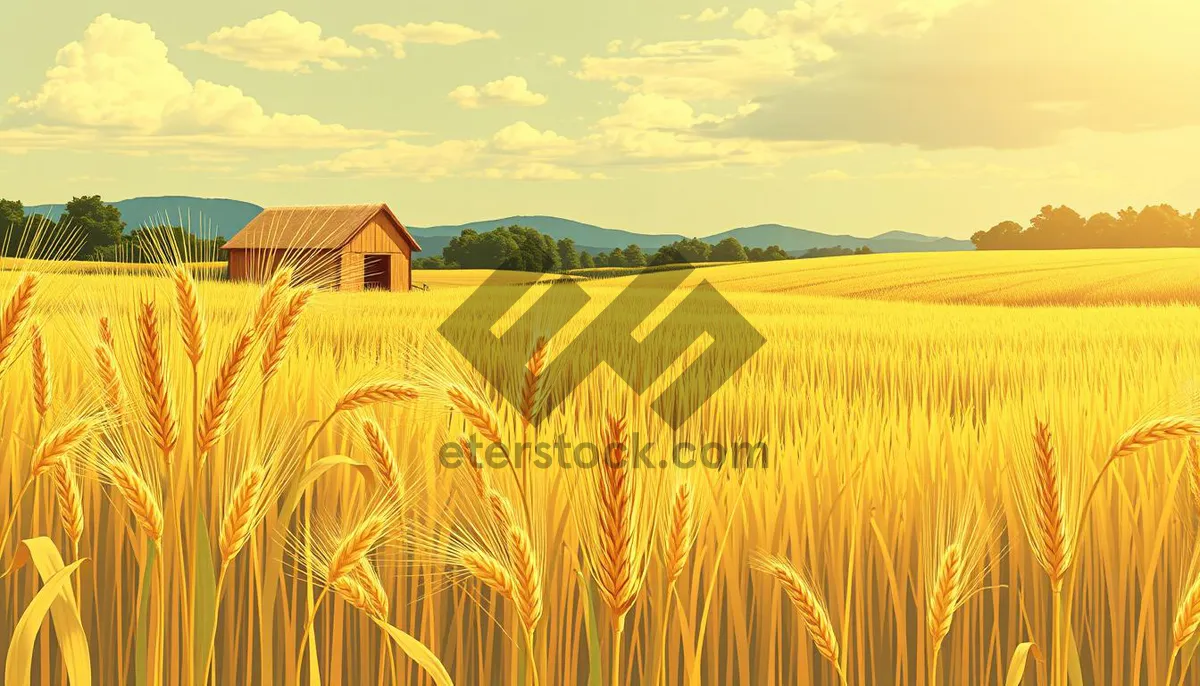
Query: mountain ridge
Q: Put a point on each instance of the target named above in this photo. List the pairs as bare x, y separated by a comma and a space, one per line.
225, 217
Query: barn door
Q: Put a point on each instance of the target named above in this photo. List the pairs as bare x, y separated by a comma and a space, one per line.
377, 272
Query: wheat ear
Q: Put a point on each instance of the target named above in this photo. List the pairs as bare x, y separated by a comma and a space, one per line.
42, 382
110, 379
808, 602
269, 297
138, 496
616, 580
214, 417
477, 413
375, 392
1053, 548
106, 334
58, 444
528, 588
191, 321
1154, 431
285, 323
488, 570
164, 428
16, 312
378, 603
946, 594
479, 478
241, 516
354, 547
383, 459
70, 502
533, 381
681, 535
502, 509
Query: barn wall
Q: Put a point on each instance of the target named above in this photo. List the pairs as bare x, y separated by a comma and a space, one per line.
352, 271
380, 236
321, 267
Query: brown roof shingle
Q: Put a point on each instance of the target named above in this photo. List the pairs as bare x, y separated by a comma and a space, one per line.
318, 227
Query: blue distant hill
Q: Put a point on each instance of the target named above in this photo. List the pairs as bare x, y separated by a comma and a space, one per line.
222, 217
204, 216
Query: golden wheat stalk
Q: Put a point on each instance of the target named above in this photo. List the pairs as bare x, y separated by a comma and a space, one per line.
1193, 476
501, 508
70, 502
617, 579
106, 334
42, 383
138, 496
164, 428
383, 459
812, 609
488, 570
110, 379
16, 312
479, 414
354, 546
1052, 541
681, 532
375, 392
214, 416
475, 468
527, 577
285, 323
1154, 431
191, 320
945, 595
533, 381
58, 444
378, 603
242, 514
269, 297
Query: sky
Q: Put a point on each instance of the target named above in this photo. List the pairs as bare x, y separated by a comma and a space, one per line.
675, 116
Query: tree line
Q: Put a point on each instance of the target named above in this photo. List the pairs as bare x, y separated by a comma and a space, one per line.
90, 229
521, 248
1156, 226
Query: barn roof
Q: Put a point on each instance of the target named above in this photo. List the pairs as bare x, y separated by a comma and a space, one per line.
318, 227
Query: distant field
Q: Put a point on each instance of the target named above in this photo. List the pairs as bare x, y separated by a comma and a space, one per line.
1066, 277
469, 277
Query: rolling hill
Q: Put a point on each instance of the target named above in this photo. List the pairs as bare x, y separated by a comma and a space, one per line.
221, 217
205, 216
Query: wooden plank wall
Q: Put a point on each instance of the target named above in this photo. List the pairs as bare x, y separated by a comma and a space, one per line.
379, 237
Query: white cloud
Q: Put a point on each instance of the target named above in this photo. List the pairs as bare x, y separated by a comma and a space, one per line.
614, 46
510, 90
525, 139
532, 171
117, 86
435, 33
556, 60
829, 175
709, 14
700, 69
393, 159
278, 42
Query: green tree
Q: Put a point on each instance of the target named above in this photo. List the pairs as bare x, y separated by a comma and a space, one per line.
729, 250
97, 224
1003, 236
633, 256
601, 259
585, 260
616, 258
568, 256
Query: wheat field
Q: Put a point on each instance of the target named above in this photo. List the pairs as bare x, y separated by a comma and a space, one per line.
225, 483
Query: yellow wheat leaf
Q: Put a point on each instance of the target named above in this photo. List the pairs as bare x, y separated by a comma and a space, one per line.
418, 653
18, 665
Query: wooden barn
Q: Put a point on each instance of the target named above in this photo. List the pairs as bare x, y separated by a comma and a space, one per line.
350, 247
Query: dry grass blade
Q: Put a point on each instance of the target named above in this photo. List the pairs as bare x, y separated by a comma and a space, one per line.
214, 416
373, 393
164, 428
475, 468
191, 321
16, 312
488, 570
1193, 474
